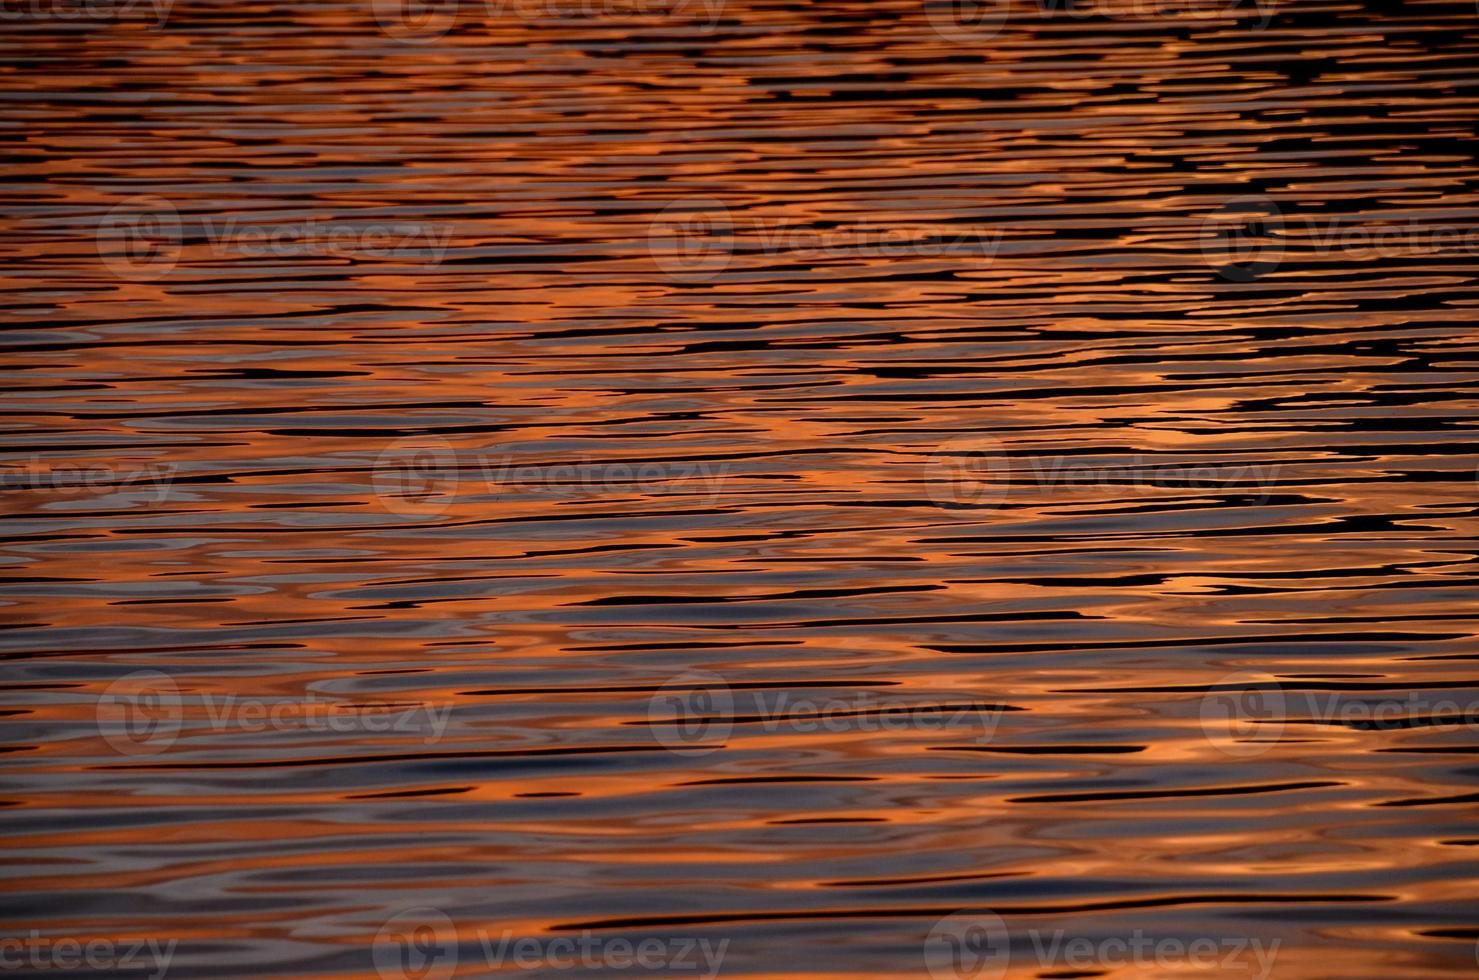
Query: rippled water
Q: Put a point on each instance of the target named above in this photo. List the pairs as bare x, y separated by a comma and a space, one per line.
749, 478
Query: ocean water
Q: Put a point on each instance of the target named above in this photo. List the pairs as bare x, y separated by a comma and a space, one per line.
740, 488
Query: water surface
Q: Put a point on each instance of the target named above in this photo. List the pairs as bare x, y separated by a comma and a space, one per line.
764, 473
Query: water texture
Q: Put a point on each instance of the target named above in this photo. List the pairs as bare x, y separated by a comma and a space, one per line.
756, 488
